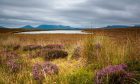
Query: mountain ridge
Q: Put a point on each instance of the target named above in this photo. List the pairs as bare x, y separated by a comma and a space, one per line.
118, 26
53, 27
27, 26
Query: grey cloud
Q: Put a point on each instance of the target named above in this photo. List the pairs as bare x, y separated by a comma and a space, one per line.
69, 12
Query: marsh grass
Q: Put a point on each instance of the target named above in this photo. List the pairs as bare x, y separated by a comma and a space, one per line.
97, 52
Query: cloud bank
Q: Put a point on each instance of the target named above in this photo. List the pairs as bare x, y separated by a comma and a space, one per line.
16, 13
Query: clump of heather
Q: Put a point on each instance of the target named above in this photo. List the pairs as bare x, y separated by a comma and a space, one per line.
7, 55
14, 65
37, 73
55, 54
31, 47
11, 60
54, 46
40, 71
116, 74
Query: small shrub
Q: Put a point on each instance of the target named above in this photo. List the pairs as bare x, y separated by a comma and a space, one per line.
11, 60
55, 54
116, 74
14, 65
7, 55
54, 46
31, 47
41, 70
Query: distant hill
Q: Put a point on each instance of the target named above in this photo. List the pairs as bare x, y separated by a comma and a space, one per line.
53, 27
137, 26
118, 26
47, 27
2, 27
27, 27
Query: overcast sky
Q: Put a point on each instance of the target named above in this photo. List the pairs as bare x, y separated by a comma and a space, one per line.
16, 13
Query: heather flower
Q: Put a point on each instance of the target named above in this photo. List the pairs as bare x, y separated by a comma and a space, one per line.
54, 46
50, 68
37, 73
7, 55
14, 65
45, 69
116, 74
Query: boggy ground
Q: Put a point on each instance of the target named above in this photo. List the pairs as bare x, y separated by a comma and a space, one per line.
108, 57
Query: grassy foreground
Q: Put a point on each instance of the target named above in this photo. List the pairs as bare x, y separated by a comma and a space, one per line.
87, 55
